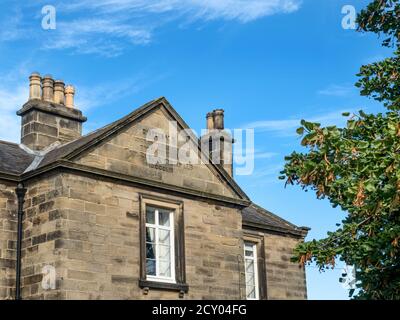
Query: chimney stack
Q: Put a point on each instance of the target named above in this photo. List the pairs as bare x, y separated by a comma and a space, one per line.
69, 96
49, 115
48, 88
35, 87
59, 91
218, 142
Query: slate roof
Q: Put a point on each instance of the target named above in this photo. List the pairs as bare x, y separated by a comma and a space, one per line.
255, 216
13, 159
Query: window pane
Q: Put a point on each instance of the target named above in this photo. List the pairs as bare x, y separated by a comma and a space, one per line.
250, 281
249, 266
163, 236
151, 267
150, 234
165, 252
251, 292
159, 252
248, 246
150, 215
150, 251
163, 219
165, 268
248, 253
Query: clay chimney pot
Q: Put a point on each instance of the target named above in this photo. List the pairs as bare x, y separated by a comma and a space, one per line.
69, 96
59, 91
35, 86
48, 88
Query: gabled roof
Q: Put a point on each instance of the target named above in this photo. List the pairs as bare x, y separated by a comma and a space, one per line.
13, 159
73, 149
16, 160
257, 217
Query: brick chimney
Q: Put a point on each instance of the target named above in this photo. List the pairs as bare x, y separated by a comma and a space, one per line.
49, 115
218, 141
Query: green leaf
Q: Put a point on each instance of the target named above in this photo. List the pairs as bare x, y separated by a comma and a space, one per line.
357, 168
300, 130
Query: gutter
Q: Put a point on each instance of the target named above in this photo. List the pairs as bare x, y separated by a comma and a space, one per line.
298, 232
9, 176
20, 191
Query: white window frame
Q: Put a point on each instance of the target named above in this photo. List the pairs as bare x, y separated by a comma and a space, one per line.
170, 228
255, 264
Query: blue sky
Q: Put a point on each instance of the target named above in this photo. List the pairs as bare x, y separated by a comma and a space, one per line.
268, 63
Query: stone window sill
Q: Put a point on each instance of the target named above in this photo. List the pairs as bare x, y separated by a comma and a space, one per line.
181, 287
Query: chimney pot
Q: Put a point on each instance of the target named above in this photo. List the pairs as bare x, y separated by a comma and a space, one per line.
35, 86
48, 88
210, 121
69, 96
47, 100
59, 91
218, 119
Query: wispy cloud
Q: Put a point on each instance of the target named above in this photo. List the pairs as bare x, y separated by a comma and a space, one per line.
97, 36
270, 170
89, 97
11, 99
337, 90
14, 91
258, 153
264, 155
241, 10
287, 127
264, 175
108, 27
11, 27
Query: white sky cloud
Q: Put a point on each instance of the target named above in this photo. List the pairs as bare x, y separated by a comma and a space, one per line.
241, 10
108, 27
337, 90
287, 127
14, 92
11, 99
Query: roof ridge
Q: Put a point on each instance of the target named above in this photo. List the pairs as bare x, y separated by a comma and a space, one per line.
8, 142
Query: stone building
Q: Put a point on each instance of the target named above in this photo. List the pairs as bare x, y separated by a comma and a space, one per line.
87, 217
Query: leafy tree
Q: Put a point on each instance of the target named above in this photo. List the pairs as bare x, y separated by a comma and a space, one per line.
357, 169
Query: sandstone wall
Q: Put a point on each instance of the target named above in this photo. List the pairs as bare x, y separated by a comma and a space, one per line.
285, 279
89, 230
42, 228
8, 237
